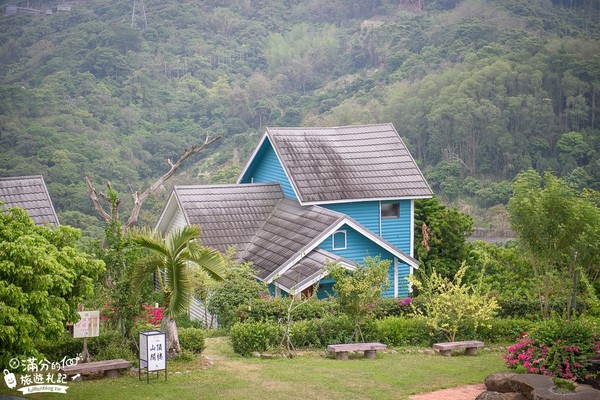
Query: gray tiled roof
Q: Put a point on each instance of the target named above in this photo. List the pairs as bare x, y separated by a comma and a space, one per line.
307, 270
267, 228
290, 228
229, 215
29, 193
348, 163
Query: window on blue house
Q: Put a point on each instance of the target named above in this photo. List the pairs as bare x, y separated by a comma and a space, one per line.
339, 240
390, 210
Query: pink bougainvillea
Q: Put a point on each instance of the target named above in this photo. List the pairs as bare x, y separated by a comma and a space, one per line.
564, 361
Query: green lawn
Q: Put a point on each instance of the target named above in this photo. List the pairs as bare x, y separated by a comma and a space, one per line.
307, 377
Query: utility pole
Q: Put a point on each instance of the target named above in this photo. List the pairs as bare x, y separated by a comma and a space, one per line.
143, 14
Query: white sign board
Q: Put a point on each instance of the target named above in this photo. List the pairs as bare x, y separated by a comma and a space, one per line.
88, 325
153, 351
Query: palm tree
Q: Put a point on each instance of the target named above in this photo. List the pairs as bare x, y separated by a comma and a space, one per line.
171, 258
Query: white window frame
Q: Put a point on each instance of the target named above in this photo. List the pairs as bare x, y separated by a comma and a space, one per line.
333, 247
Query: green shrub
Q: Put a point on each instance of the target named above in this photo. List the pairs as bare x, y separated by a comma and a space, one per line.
335, 329
503, 330
579, 332
185, 322
191, 339
274, 309
391, 307
518, 307
529, 308
305, 333
111, 344
402, 331
63, 346
248, 337
239, 290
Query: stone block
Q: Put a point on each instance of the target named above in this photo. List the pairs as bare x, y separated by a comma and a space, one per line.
500, 382
490, 395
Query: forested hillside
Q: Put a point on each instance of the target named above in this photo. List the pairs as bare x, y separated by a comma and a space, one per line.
479, 89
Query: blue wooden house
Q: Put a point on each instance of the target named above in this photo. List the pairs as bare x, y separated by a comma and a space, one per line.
308, 196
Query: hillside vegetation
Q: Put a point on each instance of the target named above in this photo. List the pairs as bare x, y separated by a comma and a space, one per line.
479, 89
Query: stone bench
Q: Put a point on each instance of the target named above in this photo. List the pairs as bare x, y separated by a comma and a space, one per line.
446, 348
369, 349
110, 368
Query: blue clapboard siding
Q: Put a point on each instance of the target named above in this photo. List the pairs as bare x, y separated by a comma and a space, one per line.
397, 230
266, 168
359, 247
403, 273
364, 212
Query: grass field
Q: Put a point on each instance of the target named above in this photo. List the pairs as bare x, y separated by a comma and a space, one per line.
220, 374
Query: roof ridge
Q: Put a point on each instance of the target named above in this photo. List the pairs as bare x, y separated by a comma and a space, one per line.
295, 128
14, 178
227, 185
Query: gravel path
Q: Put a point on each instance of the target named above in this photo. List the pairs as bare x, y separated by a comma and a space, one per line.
460, 393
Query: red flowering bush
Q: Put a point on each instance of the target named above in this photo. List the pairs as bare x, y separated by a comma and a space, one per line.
556, 348
153, 316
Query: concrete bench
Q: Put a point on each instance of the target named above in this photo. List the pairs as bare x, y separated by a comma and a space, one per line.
369, 349
110, 368
446, 348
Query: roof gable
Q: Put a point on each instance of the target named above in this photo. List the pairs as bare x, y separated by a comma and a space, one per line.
31, 194
265, 166
349, 163
310, 270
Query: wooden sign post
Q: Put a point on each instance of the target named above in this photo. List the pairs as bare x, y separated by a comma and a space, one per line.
88, 326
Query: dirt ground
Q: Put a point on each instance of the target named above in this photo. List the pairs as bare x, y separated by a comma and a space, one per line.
460, 393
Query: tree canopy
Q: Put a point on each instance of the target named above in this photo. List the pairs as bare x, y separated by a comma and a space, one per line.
43, 279
489, 88
559, 229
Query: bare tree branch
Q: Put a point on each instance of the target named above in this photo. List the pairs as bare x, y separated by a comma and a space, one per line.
93, 195
138, 199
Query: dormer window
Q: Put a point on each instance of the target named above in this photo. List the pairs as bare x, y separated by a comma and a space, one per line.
339, 240
390, 210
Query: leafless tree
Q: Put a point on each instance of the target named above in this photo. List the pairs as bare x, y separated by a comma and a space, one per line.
138, 199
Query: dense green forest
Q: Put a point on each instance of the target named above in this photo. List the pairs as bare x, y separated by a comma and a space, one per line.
479, 89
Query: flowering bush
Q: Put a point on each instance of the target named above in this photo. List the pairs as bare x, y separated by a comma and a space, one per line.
559, 359
154, 315
527, 354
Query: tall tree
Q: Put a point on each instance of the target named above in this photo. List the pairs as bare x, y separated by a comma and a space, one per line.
560, 231
171, 260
